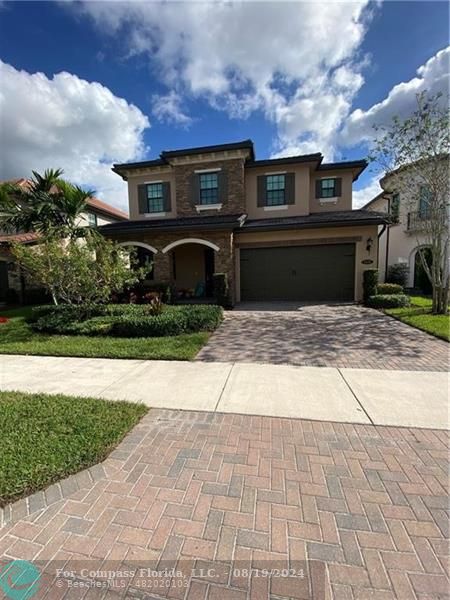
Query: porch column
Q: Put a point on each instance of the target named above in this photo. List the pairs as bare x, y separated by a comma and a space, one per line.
224, 262
162, 268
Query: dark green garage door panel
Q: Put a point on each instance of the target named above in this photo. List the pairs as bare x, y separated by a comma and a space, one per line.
298, 273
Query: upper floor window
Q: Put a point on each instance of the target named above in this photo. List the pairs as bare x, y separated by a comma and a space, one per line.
328, 188
275, 190
155, 197
424, 201
209, 188
395, 207
92, 219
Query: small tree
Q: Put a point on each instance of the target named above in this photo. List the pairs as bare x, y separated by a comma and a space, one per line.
78, 271
414, 153
47, 205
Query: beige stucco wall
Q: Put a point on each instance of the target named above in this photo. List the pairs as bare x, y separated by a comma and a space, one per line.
398, 242
302, 179
322, 235
344, 202
150, 176
305, 177
83, 221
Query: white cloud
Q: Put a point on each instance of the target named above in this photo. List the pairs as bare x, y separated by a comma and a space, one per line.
368, 192
433, 76
295, 61
167, 109
70, 123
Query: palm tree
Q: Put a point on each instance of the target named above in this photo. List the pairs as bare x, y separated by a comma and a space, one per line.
47, 205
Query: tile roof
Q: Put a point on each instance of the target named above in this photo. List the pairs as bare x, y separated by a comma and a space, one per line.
240, 222
18, 237
211, 222
337, 218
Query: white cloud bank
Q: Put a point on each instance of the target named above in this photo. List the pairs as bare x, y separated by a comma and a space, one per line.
295, 61
433, 76
70, 123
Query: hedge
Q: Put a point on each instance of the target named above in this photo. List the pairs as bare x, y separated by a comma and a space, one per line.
389, 288
125, 320
389, 301
370, 281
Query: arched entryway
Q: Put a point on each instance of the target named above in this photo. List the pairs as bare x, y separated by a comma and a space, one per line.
143, 255
192, 263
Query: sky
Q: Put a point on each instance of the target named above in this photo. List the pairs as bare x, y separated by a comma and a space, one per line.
87, 84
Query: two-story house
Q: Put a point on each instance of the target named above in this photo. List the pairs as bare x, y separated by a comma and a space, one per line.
281, 229
97, 213
408, 232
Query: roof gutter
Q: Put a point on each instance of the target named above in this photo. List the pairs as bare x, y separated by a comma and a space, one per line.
275, 227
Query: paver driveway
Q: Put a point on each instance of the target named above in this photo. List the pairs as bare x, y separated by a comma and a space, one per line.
359, 508
334, 335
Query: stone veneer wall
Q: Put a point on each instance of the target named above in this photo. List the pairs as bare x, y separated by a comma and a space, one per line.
235, 203
162, 263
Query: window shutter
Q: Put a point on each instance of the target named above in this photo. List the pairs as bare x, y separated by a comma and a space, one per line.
142, 199
318, 188
166, 196
222, 181
195, 189
289, 188
261, 191
338, 186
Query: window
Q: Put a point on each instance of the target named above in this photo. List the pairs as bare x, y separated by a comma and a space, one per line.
209, 188
155, 198
328, 188
424, 201
395, 207
275, 190
92, 219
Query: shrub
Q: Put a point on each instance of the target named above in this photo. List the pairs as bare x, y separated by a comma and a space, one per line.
370, 281
389, 301
125, 320
202, 317
169, 323
398, 274
155, 307
389, 288
221, 290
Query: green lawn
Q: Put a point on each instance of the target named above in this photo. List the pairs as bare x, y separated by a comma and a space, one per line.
45, 438
17, 337
419, 315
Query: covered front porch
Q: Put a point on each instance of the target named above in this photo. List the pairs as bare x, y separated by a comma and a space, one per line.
185, 265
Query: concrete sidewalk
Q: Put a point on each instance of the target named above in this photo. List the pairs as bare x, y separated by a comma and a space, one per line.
381, 397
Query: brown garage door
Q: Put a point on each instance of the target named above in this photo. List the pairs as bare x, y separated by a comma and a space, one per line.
304, 273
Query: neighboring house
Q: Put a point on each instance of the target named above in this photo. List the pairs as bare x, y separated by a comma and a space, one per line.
281, 229
98, 213
400, 242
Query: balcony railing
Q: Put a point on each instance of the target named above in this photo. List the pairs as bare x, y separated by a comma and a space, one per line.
417, 220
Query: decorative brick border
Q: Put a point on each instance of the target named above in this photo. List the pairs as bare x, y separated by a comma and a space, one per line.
69, 486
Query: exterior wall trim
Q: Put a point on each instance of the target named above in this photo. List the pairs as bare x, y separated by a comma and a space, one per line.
141, 245
190, 241
305, 242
